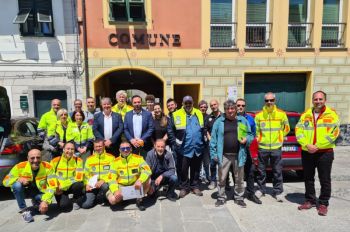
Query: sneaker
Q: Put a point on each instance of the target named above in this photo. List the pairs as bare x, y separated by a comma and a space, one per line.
306, 205
139, 204
212, 185
219, 203
172, 196
76, 206
183, 193
254, 199
279, 198
259, 194
197, 192
27, 216
322, 210
241, 203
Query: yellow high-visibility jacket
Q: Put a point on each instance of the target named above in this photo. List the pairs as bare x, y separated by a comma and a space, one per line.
82, 136
98, 164
45, 180
126, 108
55, 133
47, 120
271, 127
68, 171
126, 171
321, 132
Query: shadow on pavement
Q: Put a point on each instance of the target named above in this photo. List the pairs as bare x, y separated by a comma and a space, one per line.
297, 198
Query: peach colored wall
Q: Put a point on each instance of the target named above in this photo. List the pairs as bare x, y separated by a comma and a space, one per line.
181, 17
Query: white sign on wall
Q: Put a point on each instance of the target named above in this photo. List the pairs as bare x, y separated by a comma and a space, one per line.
232, 92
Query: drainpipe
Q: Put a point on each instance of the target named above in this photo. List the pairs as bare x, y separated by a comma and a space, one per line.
86, 61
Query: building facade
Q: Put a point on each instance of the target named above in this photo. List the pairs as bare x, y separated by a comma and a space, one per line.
39, 54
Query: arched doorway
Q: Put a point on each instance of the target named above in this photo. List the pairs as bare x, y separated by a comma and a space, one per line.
135, 80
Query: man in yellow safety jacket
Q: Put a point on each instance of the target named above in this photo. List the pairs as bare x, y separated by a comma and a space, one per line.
121, 107
35, 178
316, 131
271, 127
69, 172
96, 175
49, 118
128, 170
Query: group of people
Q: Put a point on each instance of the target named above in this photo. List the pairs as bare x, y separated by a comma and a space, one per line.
95, 154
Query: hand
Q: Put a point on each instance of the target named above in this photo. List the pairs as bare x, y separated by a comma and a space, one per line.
215, 159
23, 181
108, 143
311, 148
158, 180
138, 185
118, 195
88, 188
243, 141
43, 207
99, 184
134, 143
140, 142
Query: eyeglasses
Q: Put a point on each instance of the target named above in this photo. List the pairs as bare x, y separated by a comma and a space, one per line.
240, 105
269, 100
125, 148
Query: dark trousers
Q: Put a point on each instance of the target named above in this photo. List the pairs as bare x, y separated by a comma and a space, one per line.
113, 150
206, 162
96, 195
249, 169
323, 162
194, 165
213, 170
275, 158
63, 200
171, 181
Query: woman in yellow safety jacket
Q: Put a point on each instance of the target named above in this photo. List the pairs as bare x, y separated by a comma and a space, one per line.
57, 133
81, 134
69, 171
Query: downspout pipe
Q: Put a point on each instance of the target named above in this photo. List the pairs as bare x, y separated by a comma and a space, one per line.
86, 61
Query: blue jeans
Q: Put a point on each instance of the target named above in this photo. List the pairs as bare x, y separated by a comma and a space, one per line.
19, 192
170, 181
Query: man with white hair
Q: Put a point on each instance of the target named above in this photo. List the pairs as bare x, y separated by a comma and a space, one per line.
121, 107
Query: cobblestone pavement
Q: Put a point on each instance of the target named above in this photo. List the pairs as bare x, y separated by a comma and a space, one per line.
199, 213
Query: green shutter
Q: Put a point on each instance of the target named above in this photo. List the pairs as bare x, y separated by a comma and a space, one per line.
330, 11
256, 11
221, 11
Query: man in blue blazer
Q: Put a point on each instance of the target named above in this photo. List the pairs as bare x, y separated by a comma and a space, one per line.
138, 127
108, 126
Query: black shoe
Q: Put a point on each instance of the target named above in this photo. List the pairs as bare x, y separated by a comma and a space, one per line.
172, 196
139, 204
241, 203
219, 203
254, 199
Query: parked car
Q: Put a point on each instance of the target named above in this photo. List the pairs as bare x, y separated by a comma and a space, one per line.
14, 147
291, 149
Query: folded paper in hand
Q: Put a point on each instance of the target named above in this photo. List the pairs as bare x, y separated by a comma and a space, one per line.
129, 192
93, 181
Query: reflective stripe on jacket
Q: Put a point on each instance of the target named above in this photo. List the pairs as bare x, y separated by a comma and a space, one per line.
98, 164
126, 171
82, 136
45, 180
323, 132
67, 171
126, 108
271, 127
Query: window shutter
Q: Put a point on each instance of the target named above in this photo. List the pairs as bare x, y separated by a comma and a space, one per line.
221, 11
25, 4
330, 11
256, 11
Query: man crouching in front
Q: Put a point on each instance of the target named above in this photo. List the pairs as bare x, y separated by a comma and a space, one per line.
35, 178
128, 170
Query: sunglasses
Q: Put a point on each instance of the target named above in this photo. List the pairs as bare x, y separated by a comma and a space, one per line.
125, 148
240, 105
269, 100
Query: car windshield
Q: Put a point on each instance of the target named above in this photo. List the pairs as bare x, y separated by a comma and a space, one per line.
293, 120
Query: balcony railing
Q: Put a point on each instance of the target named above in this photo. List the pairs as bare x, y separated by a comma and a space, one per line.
258, 35
299, 35
223, 35
333, 35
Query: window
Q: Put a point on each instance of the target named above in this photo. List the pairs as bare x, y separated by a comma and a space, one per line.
222, 27
127, 10
332, 28
258, 29
299, 28
35, 17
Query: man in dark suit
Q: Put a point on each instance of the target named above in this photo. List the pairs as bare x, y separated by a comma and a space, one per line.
138, 127
108, 126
